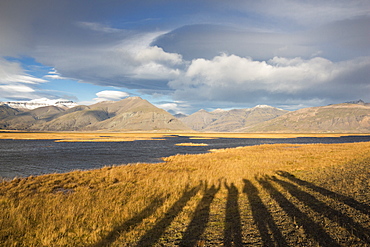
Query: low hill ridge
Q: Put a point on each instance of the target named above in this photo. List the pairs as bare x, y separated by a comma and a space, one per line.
128, 114
345, 117
231, 120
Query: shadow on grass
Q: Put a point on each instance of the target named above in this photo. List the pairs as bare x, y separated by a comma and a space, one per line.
267, 227
201, 217
342, 198
154, 234
322, 208
262, 217
311, 228
233, 229
126, 226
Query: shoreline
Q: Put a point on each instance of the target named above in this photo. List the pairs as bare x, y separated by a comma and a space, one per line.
193, 144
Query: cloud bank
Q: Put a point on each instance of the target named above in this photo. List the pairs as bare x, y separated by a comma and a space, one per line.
279, 79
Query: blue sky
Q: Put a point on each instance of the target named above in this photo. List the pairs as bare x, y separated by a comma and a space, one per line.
186, 55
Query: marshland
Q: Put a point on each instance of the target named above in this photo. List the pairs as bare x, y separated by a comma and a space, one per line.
262, 195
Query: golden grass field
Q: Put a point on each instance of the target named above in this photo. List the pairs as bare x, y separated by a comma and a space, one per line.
132, 136
267, 195
191, 144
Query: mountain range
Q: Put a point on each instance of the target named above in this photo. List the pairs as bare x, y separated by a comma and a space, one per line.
128, 114
136, 114
352, 117
233, 120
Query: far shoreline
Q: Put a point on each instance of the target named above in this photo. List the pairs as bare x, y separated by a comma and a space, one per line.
106, 136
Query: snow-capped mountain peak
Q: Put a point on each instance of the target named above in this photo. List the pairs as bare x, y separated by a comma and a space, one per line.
36, 103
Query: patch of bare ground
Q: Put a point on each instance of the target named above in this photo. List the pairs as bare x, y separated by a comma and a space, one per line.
268, 195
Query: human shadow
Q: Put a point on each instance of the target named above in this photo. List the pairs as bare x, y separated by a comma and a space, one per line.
338, 197
263, 218
200, 219
325, 210
311, 228
233, 229
154, 234
129, 224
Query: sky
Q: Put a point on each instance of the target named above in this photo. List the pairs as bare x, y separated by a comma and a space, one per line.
184, 56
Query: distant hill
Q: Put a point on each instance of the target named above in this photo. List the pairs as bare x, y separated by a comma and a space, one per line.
346, 117
232, 120
200, 119
179, 115
128, 114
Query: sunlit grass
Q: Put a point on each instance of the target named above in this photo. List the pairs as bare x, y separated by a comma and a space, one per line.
132, 136
80, 136
191, 144
147, 203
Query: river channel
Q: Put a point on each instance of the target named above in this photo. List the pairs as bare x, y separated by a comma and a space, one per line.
21, 158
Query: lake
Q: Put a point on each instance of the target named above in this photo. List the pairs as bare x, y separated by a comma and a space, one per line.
21, 158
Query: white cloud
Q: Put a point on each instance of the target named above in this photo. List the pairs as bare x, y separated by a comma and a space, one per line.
15, 83
11, 92
168, 106
12, 72
54, 75
277, 74
110, 95
7, 90
154, 71
155, 53
154, 63
234, 78
137, 59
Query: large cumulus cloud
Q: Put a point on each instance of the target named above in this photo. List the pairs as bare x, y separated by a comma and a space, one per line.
283, 80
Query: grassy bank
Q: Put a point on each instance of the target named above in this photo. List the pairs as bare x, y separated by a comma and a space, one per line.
131, 136
271, 195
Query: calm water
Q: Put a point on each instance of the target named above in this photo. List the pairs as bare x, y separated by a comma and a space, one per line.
20, 158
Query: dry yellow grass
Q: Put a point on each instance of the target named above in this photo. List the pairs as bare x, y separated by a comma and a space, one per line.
261, 195
80, 136
202, 135
131, 136
190, 144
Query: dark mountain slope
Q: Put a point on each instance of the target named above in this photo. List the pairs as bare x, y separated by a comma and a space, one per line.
31, 119
6, 111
